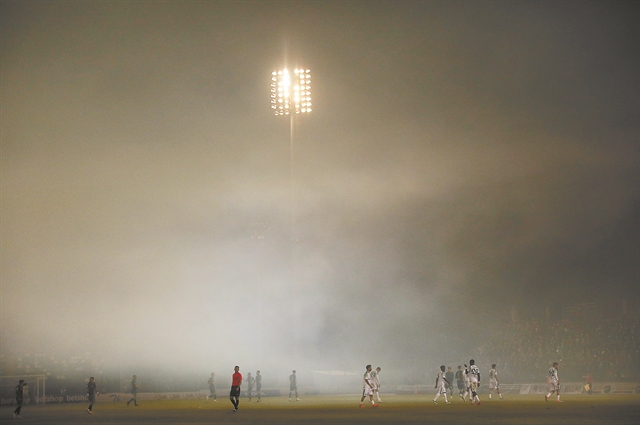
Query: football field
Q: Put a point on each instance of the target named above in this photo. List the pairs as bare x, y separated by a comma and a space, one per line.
344, 409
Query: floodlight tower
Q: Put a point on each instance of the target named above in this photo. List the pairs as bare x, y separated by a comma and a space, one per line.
291, 96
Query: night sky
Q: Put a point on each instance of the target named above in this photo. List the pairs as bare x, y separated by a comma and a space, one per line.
463, 161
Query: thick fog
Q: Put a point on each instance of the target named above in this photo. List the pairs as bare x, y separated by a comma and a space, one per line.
463, 162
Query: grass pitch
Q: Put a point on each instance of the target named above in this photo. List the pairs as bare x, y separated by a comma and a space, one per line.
343, 409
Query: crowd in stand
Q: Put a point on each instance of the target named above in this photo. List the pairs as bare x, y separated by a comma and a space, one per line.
607, 349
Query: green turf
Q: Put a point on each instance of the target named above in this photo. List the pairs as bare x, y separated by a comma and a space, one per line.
343, 409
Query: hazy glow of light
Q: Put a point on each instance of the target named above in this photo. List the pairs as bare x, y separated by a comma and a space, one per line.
282, 101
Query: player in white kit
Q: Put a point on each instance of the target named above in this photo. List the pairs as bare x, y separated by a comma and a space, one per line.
441, 389
474, 378
367, 387
467, 384
554, 382
493, 381
375, 380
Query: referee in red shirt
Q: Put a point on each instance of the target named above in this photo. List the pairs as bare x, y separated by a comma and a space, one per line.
236, 381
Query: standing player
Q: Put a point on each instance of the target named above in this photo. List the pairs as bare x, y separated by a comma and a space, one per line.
460, 380
367, 387
212, 387
467, 384
441, 386
91, 393
589, 385
474, 378
19, 398
375, 380
258, 385
554, 382
134, 391
493, 381
293, 385
234, 394
449, 375
250, 381
25, 392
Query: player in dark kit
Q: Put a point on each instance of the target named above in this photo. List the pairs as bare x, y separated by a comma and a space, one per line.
250, 381
19, 398
460, 380
449, 376
134, 391
236, 381
91, 393
212, 387
293, 385
258, 385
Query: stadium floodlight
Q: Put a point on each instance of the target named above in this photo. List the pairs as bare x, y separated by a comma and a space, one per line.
291, 93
